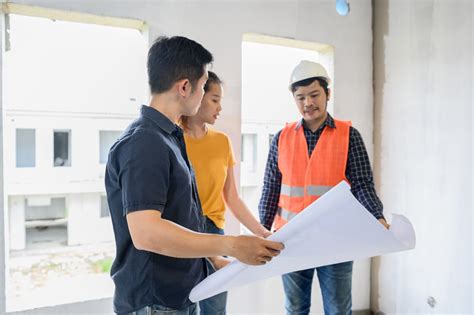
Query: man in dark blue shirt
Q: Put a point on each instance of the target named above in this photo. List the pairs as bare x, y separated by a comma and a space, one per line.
152, 195
286, 182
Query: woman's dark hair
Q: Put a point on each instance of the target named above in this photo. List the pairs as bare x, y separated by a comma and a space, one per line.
213, 79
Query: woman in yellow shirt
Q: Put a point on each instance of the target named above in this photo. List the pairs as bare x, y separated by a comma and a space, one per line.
211, 155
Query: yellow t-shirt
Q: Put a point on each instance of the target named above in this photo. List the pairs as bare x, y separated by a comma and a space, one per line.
210, 157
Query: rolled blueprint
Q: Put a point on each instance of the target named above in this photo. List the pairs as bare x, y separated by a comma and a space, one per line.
333, 229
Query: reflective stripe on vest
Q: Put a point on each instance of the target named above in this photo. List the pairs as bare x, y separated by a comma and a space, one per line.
293, 191
317, 190
285, 214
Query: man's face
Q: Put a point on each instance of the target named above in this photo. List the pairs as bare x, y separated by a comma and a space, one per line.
194, 98
311, 101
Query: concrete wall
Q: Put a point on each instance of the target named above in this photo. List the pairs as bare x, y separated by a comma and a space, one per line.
423, 104
219, 26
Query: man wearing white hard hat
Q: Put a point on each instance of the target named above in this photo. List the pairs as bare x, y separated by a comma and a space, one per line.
306, 159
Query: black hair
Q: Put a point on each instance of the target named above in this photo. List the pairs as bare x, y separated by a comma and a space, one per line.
171, 59
322, 82
213, 79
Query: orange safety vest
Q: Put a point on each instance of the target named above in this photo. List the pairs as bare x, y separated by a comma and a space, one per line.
304, 178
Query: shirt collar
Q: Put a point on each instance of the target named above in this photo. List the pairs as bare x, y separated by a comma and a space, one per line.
328, 122
158, 118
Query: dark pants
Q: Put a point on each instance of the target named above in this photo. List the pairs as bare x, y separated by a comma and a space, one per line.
215, 305
163, 310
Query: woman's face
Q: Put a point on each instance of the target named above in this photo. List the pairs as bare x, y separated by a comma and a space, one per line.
211, 104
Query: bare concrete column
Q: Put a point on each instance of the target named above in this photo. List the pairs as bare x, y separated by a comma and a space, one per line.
17, 229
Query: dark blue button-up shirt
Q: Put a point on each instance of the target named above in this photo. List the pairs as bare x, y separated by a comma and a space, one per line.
358, 172
148, 169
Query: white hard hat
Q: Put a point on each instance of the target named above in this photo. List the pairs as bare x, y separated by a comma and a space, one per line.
308, 69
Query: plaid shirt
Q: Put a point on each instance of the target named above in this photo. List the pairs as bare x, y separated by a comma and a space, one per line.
358, 172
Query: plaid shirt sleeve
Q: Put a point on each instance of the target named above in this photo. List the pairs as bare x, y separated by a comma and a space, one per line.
268, 205
359, 174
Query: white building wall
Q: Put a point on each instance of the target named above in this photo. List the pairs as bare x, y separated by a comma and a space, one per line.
85, 226
423, 88
82, 183
85, 174
17, 232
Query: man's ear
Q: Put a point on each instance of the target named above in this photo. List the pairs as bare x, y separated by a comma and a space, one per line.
329, 94
184, 86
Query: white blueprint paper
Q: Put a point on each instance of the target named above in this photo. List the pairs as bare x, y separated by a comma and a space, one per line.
333, 229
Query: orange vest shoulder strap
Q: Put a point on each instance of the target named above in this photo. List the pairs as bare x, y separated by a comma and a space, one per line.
342, 123
290, 126
287, 130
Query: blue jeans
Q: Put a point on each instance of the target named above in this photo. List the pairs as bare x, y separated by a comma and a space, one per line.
335, 282
215, 305
163, 310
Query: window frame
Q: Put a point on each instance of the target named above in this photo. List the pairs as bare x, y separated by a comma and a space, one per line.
16, 148
102, 305
68, 162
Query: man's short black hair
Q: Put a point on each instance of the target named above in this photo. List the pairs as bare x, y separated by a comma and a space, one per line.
171, 59
322, 82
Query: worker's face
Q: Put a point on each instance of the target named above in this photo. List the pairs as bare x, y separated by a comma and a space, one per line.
193, 95
211, 104
312, 101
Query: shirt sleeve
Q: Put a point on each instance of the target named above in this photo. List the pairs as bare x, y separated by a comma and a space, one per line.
268, 205
231, 162
359, 174
144, 173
